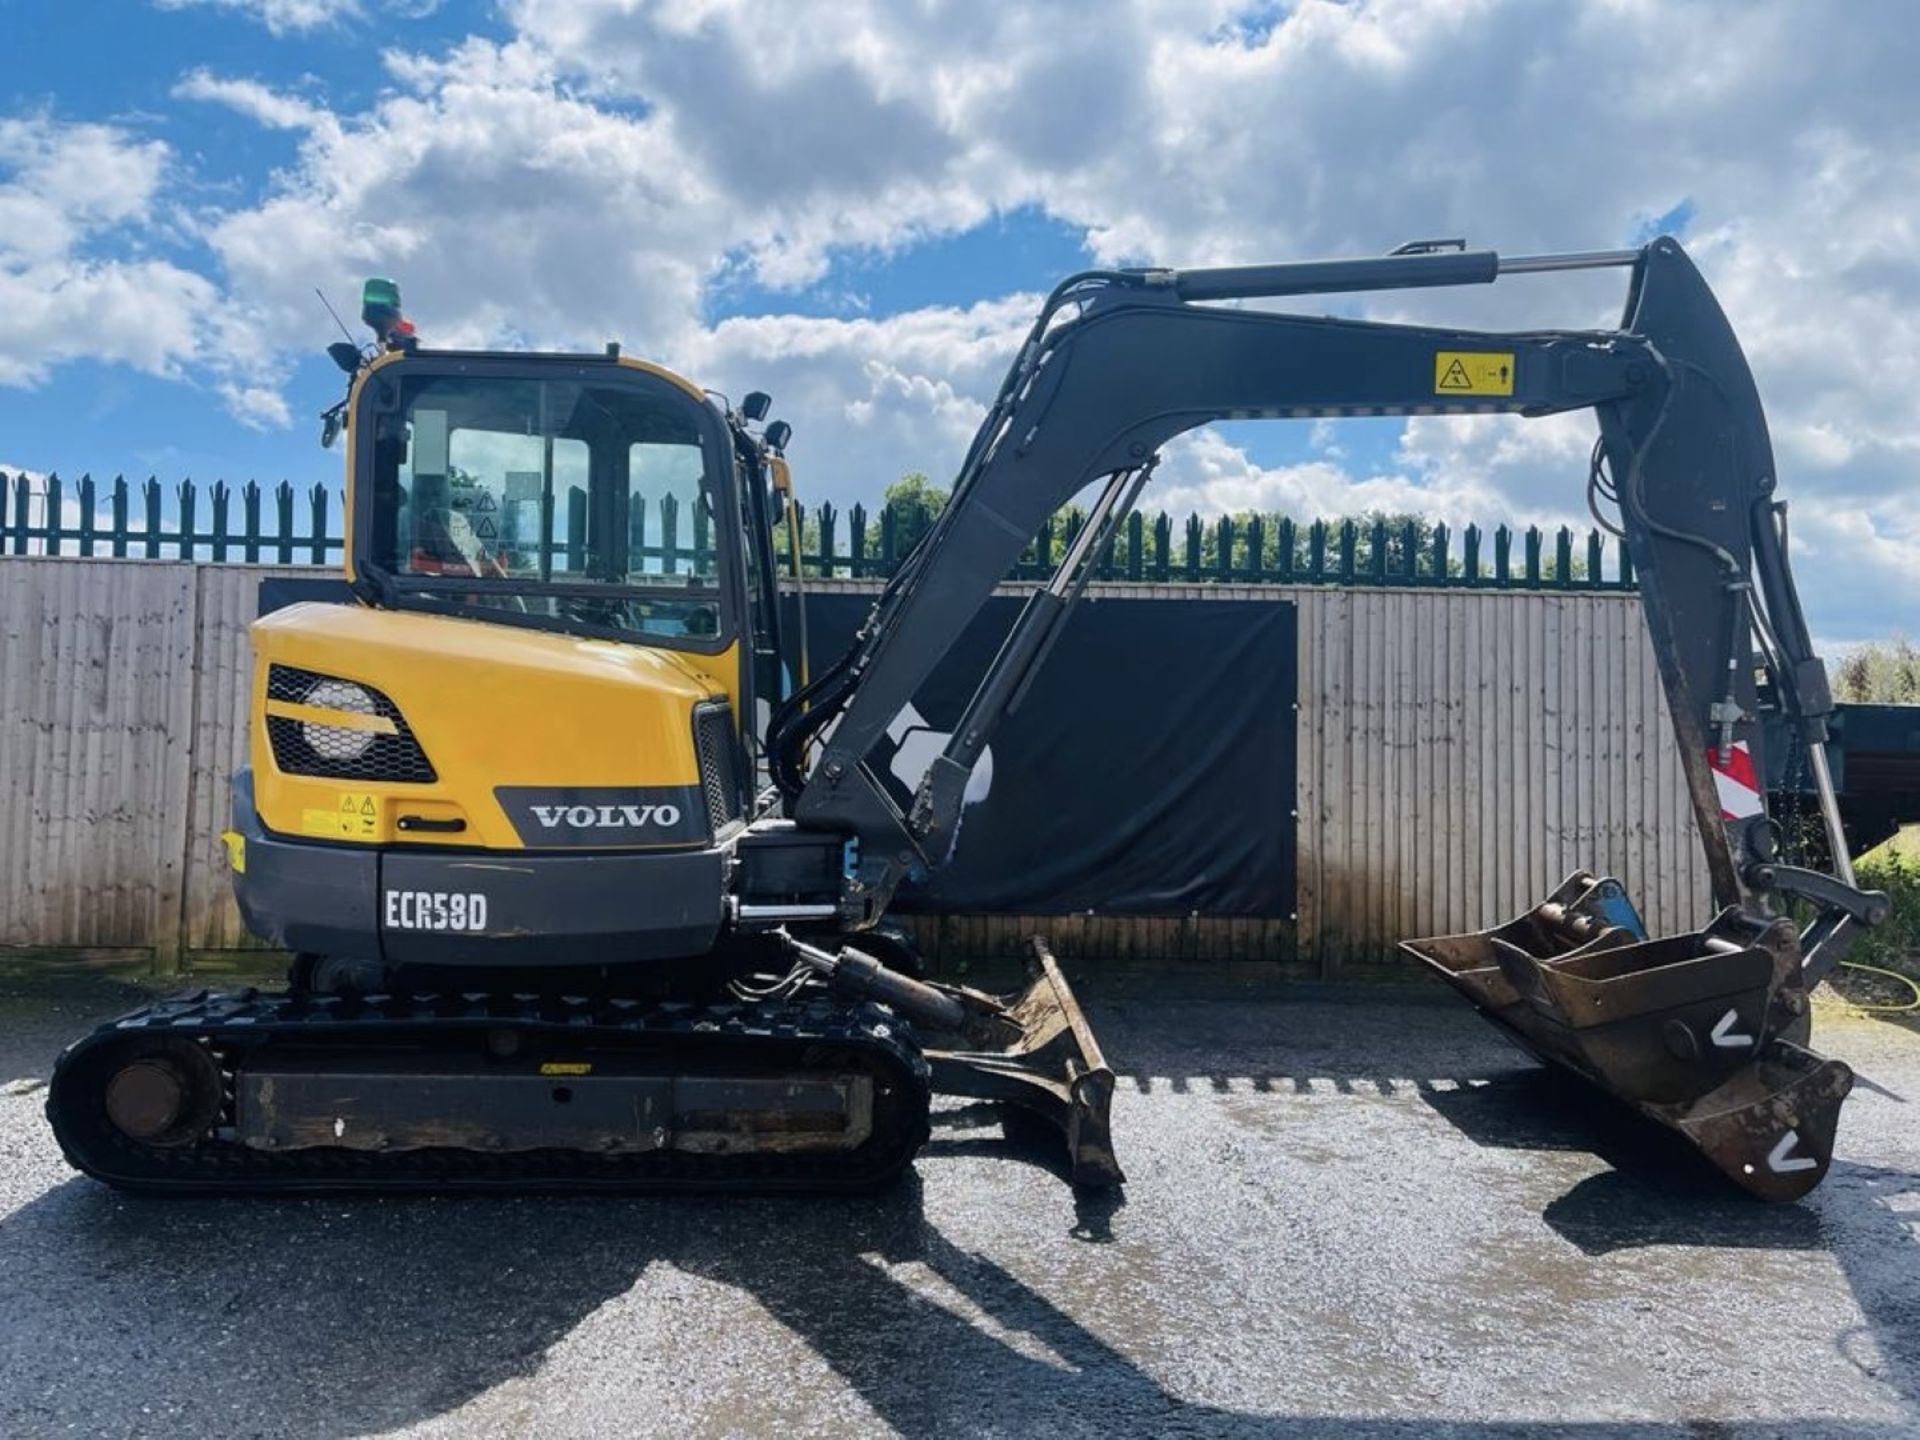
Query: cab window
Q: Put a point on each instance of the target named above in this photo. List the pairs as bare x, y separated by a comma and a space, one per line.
554, 499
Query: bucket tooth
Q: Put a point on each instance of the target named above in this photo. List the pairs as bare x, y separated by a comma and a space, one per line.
1700, 1032
1037, 1051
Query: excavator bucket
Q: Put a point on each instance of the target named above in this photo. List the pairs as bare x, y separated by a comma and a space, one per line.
1704, 1033
1037, 1051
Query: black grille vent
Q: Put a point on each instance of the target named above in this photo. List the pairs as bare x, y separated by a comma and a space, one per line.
336, 753
713, 737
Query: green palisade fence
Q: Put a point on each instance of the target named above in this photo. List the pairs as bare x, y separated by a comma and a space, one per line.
290, 527
278, 527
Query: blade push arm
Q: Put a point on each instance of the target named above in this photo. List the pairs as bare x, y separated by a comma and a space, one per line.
1120, 362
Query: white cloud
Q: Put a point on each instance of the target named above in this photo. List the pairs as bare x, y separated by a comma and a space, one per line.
283, 17
64, 182
254, 100
260, 407
62, 188
868, 399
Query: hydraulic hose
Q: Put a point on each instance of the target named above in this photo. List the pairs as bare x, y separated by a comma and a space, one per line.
1874, 1008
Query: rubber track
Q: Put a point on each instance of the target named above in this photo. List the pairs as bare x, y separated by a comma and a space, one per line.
233, 1024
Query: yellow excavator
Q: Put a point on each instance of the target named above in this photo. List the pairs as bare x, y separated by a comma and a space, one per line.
586, 877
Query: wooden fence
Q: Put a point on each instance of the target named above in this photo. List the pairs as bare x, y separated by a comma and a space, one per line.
285, 526
1459, 753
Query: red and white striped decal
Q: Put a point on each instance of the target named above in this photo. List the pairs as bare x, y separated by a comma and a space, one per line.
1733, 777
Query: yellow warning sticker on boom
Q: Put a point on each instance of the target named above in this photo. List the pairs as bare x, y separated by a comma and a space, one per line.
1473, 372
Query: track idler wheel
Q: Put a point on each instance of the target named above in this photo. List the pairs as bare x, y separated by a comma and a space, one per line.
163, 1093
1701, 1032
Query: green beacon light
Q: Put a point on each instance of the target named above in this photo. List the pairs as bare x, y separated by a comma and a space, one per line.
380, 309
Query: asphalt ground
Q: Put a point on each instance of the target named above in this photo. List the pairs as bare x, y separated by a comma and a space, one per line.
1343, 1219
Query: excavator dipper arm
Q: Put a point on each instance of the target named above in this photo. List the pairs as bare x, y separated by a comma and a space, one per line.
1119, 362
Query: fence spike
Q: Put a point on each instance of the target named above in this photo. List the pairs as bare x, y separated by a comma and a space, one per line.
858, 565
220, 495
889, 540
87, 503
50, 527
23, 498
318, 503
150, 504
183, 536
120, 511
828, 518
636, 530
250, 520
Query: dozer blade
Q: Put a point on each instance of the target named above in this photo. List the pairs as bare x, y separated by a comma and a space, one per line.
1039, 1053
1703, 1033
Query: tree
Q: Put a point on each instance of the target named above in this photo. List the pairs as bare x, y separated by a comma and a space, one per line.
914, 501
1885, 673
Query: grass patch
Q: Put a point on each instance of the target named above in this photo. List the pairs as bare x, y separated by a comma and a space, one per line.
1894, 944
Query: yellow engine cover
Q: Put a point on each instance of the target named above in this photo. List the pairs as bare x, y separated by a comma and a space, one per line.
535, 740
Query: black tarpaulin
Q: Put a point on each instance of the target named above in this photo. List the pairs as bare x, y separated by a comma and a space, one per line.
1149, 770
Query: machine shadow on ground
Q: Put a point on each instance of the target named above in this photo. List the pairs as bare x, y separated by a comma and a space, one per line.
1660, 1192
339, 1316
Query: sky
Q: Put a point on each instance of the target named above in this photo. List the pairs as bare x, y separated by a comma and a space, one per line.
857, 205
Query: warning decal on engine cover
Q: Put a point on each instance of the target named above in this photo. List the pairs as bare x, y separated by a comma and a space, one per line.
355, 816
1470, 372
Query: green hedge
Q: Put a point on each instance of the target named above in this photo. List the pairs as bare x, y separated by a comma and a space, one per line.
1894, 944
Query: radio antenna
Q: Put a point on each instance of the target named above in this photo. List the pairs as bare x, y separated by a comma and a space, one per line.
336, 317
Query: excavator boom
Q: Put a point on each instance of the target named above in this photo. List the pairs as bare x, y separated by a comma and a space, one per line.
1119, 362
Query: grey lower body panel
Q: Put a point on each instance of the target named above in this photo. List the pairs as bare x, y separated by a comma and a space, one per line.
475, 907
319, 1101
573, 909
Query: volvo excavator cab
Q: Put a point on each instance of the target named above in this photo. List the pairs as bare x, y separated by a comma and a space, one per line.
559, 626
555, 930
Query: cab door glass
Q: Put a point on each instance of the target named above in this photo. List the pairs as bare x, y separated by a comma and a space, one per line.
670, 521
